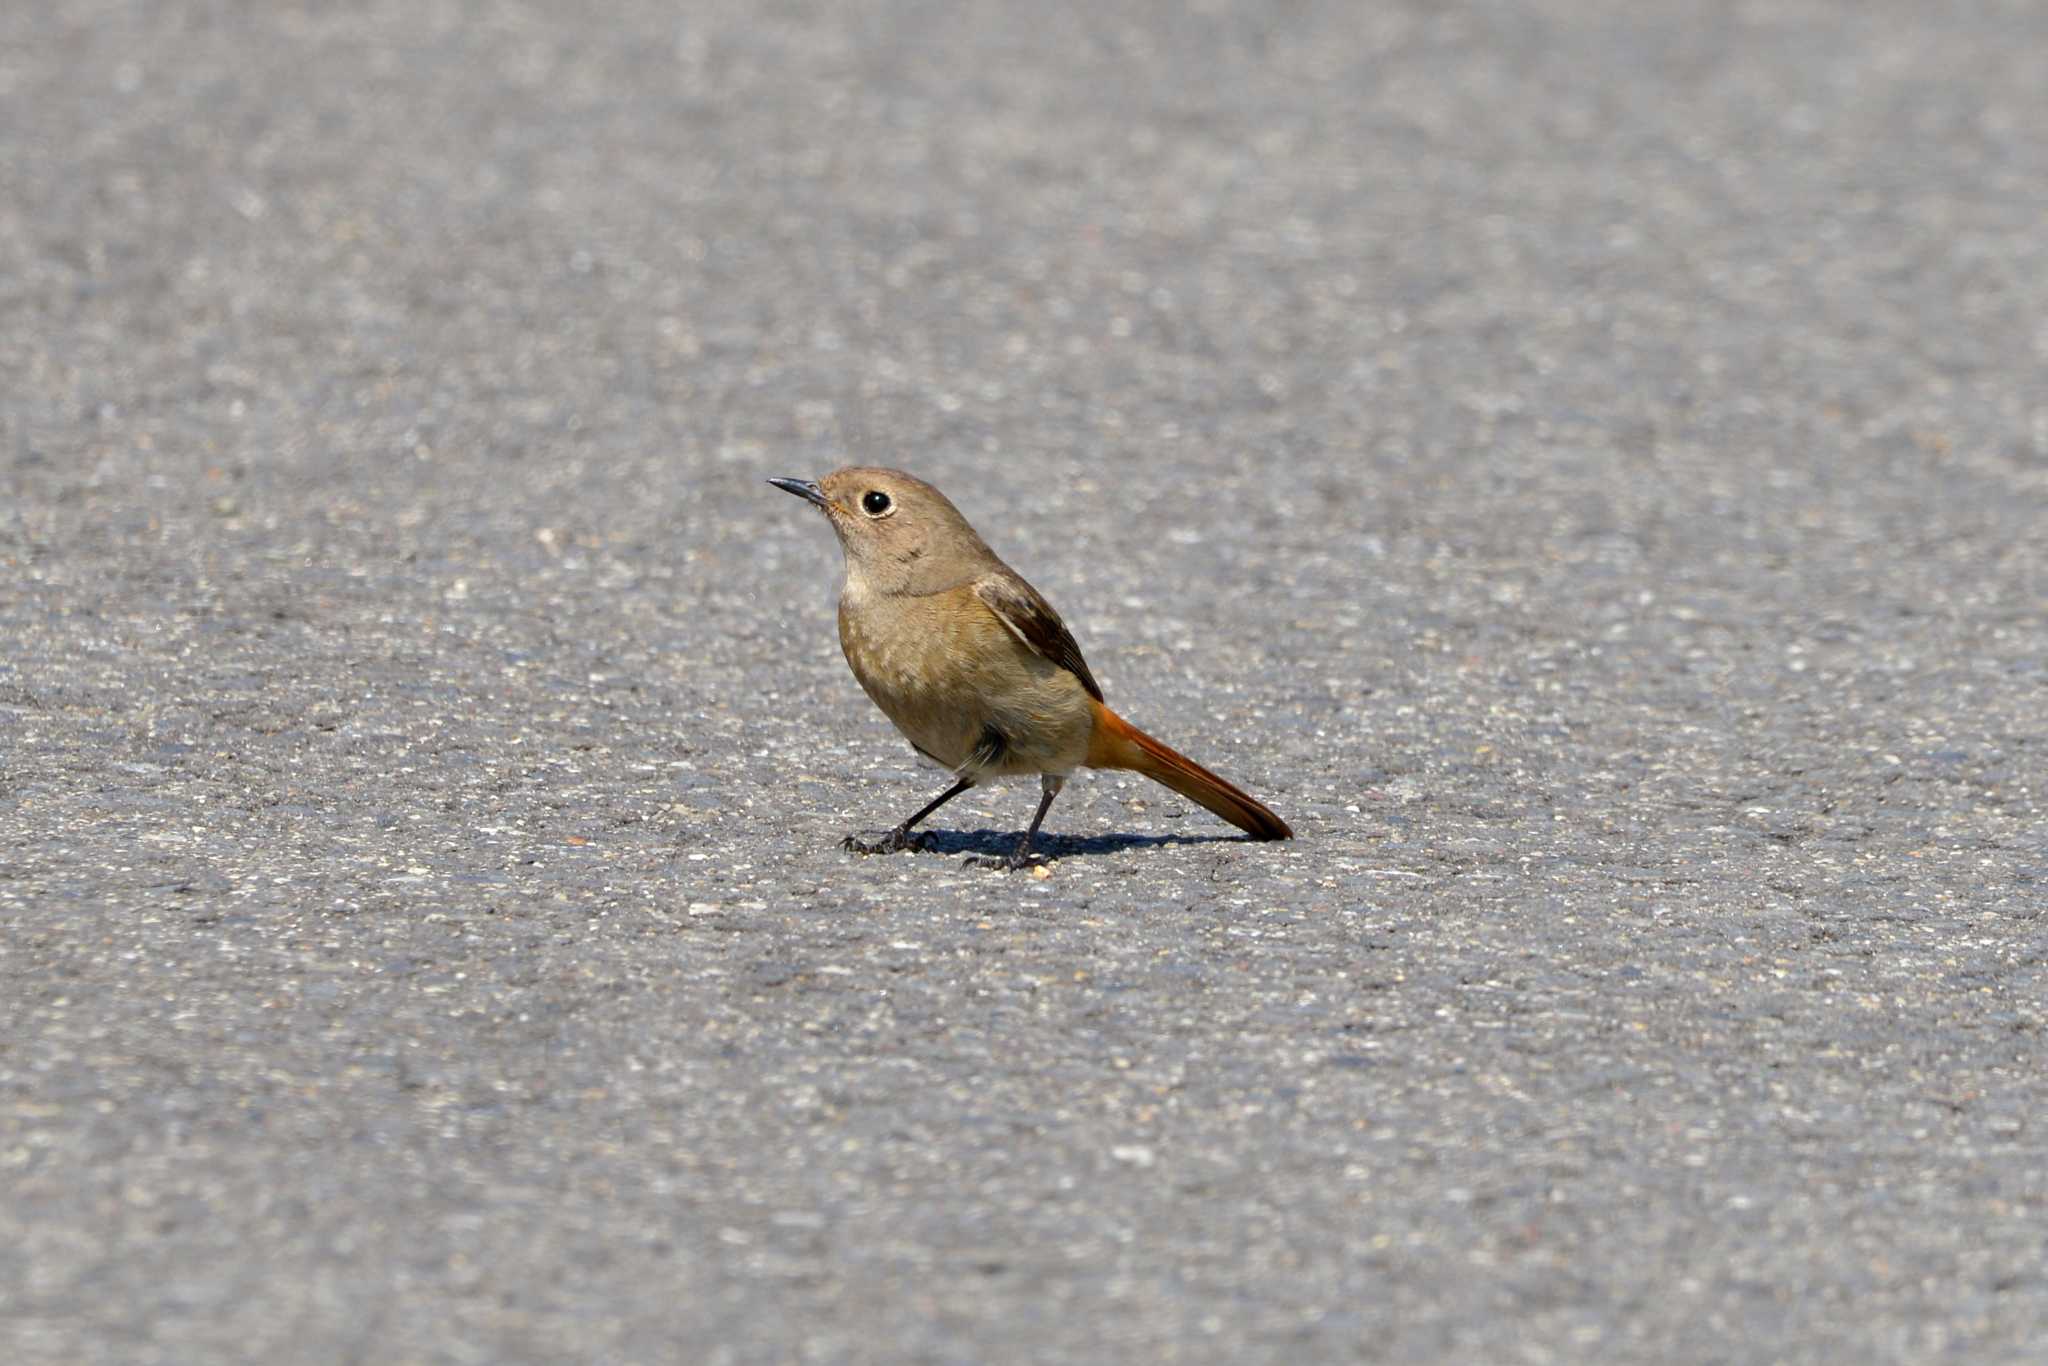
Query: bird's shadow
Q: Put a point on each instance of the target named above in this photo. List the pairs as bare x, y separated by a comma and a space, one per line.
998, 843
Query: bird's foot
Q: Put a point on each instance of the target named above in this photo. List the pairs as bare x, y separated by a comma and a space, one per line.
885, 841
1005, 863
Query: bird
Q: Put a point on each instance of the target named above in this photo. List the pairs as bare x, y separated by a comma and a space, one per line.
974, 666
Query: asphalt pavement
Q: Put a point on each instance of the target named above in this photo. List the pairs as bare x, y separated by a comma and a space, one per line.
1584, 465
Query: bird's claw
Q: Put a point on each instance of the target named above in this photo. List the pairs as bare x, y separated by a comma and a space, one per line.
885, 842
1005, 863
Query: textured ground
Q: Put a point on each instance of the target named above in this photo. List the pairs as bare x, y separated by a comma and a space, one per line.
1585, 465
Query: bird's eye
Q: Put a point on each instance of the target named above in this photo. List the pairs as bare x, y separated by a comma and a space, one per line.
874, 502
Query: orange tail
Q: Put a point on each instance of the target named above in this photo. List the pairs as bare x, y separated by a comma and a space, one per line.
1117, 743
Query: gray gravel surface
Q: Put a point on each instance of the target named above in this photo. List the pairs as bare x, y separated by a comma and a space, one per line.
1585, 465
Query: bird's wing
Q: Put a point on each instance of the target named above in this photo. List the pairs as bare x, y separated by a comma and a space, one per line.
1031, 619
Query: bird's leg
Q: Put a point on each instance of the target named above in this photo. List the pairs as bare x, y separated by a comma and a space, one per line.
889, 841
1020, 857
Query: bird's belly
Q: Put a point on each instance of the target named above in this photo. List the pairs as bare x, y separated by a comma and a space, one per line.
964, 697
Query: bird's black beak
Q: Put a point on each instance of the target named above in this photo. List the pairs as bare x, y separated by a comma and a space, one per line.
803, 488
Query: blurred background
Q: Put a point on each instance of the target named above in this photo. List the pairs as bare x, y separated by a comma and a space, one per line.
1583, 462
1647, 259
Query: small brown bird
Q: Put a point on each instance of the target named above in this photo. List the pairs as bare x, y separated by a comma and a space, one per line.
973, 665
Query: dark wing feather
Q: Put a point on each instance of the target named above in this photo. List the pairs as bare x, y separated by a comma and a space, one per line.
1031, 619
